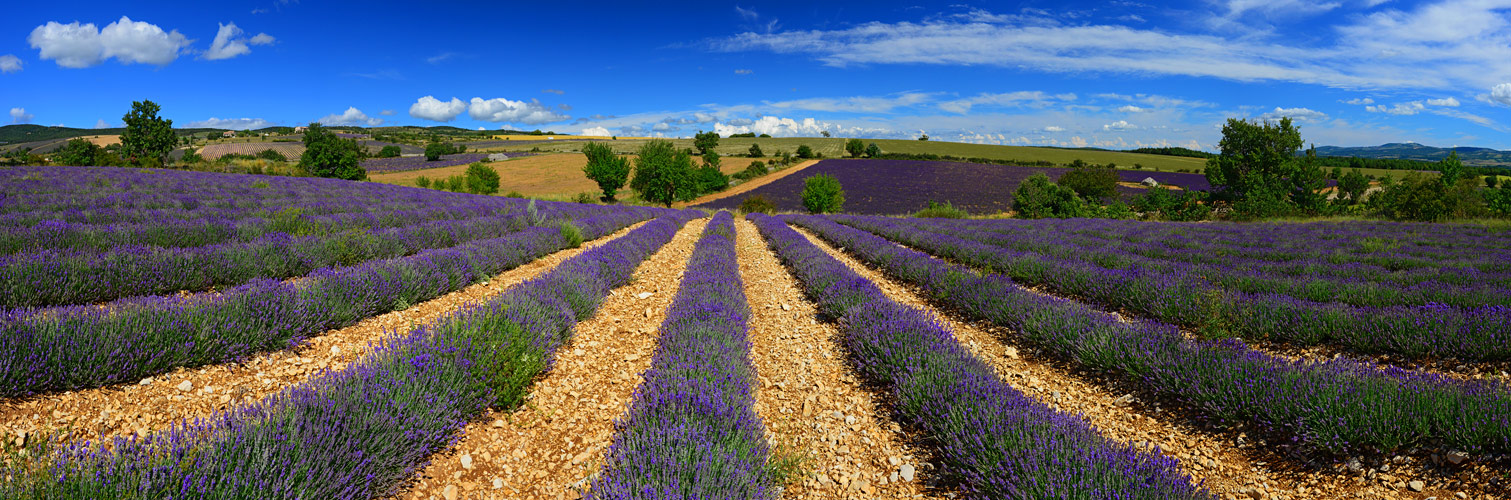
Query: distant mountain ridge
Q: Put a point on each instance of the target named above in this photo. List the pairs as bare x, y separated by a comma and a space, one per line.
1414, 151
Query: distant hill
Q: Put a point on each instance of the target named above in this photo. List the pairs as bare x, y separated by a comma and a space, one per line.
1414, 151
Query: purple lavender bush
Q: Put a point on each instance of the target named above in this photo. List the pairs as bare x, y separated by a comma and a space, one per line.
996, 441
1334, 407
691, 431
361, 432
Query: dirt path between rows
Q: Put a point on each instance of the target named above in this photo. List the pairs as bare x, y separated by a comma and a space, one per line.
1229, 463
158, 401
551, 447
748, 185
809, 396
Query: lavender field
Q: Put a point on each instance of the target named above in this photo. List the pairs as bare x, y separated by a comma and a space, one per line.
894, 187
238, 336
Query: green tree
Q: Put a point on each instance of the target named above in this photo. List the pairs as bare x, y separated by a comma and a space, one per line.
755, 151
1256, 163
481, 179
1353, 184
147, 139
804, 151
823, 194
435, 150
1499, 200
607, 169
663, 174
1490, 181
78, 153
705, 141
1038, 198
712, 159
328, 155
824, 133
923, 137
710, 180
389, 152
1452, 169
872, 151
1306, 182
855, 147
1091, 182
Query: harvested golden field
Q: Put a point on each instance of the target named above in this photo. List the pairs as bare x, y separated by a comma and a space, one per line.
541, 176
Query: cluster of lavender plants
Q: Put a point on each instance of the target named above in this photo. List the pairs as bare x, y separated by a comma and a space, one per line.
407, 163
998, 442
905, 186
1248, 260
361, 432
87, 346
1337, 406
691, 431
1193, 300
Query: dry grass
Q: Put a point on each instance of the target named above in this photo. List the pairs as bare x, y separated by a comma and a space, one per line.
553, 175
103, 140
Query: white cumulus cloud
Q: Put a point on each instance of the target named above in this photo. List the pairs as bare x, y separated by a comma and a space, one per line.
436, 110
102, 124
352, 116
1119, 125
504, 110
1501, 93
76, 45
788, 127
9, 63
1448, 102
595, 131
1053, 128
231, 123
19, 115
229, 43
1130, 109
1296, 114
1401, 109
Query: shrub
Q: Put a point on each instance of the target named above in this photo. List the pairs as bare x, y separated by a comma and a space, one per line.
1422, 198
584, 198
755, 169
1490, 181
1353, 184
435, 150
872, 151
389, 152
804, 152
711, 180
823, 194
941, 211
757, 204
570, 233
664, 174
1038, 198
755, 151
326, 155
855, 147
610, 171
1091, 182
77, 153
514, 194
271, 155
481, 179
422, 181
1170, 204
1498, 201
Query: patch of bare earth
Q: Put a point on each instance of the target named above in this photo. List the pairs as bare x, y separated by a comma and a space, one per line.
747, 186
1230, 463
809, 397
188, 393
549, 448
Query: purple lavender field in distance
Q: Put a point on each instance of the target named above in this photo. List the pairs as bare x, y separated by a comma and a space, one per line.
893, 187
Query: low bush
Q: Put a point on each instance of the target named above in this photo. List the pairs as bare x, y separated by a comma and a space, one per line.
757, 204
941, 211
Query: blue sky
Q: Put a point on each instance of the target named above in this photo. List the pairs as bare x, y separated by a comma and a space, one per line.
1108, 74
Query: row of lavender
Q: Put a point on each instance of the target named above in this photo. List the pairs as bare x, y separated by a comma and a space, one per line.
1338, 406
1192, 300
57, 234
361, 432
76, 347
56, 278
1463, 275
99, 195
691, 431
998, 442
